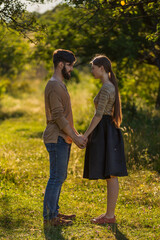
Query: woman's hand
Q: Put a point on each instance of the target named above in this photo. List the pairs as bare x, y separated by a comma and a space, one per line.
85, 138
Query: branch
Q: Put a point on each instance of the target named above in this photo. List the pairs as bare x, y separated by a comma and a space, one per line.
94, 13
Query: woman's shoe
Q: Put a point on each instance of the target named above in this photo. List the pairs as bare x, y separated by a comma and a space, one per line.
101, 216
103, 220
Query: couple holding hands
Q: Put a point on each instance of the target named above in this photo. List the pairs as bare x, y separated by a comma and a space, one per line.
104, 156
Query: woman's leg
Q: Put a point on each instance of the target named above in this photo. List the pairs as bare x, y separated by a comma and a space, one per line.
112, 195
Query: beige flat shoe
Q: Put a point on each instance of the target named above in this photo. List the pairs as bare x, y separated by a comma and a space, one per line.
103, 220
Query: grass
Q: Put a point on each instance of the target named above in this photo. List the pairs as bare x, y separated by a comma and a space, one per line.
24, 171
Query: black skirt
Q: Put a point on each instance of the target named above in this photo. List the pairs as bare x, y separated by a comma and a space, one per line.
104, 155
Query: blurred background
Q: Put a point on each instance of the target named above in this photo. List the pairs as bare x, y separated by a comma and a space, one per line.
128, 32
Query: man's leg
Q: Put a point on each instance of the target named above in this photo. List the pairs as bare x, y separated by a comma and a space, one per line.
67, 155
58, 153
64, 216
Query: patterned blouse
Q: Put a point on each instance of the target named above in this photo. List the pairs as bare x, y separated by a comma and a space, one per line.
105, 99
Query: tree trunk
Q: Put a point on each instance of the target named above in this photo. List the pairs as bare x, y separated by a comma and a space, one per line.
158, 98
157, 106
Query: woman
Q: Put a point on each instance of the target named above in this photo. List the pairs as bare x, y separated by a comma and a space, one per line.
104, 157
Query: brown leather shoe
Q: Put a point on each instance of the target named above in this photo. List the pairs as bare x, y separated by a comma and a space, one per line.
103, 220
60, 222
66, 217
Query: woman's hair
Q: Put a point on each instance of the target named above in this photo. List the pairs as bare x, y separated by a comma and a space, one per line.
104, 61
61, 55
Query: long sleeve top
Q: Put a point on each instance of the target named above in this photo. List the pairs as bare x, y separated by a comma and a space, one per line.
104, 100
58, 111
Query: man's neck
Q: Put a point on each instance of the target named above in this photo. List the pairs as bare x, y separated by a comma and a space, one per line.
58, 76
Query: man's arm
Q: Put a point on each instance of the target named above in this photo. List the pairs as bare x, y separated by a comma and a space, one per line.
78, 140
58, 116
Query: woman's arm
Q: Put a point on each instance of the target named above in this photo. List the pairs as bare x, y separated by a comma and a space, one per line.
93, 124
102, 102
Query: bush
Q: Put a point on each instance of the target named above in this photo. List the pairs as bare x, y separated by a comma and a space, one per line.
141, 135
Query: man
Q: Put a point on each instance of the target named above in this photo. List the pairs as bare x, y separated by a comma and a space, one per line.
58, 135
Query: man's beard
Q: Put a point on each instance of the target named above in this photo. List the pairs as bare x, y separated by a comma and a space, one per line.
65, 74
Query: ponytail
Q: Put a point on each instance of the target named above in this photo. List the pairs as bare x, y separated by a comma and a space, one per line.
117, 112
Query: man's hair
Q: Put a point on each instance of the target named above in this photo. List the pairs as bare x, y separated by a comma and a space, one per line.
61, 55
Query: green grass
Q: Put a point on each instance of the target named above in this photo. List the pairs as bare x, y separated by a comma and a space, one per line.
24, 171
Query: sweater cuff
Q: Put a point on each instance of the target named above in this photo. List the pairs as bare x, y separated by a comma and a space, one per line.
98, 114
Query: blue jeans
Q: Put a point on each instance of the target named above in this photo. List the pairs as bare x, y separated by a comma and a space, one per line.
59, 156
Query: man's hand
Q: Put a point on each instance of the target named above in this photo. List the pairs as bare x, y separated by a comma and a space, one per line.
68, 140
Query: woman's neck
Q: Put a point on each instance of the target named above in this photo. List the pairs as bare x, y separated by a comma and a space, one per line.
105, 78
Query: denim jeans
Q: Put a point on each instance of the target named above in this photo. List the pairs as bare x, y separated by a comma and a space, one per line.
59, 156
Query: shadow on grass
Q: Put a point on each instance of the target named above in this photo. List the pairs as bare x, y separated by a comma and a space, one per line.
24, 133
35, 135
9, 220
5, 115
118, 235
54, 233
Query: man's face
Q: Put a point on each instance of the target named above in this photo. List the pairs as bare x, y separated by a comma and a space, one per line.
67, 69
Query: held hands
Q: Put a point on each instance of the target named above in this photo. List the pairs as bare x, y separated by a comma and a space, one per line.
81, 141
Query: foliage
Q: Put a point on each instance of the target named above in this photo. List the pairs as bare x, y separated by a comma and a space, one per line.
133, 20
10, 10
13, 15
138, 127
3, 86
14, 53
128, 33
139, 85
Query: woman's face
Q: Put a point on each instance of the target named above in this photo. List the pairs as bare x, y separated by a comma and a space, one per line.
96, 71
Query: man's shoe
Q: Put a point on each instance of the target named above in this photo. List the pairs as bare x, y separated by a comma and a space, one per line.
67, 217
103, 220
60, 222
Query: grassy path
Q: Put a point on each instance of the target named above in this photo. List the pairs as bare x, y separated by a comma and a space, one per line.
24, 171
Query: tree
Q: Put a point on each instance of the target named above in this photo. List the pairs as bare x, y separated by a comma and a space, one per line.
127, 31
14, 53
13, 16
123, 32
132, 27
